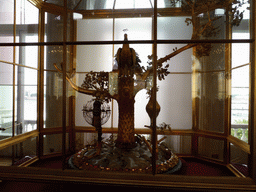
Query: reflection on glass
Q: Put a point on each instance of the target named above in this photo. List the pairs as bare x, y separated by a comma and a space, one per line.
56, 2
131, 4
211, 148
53, 143
166, 3
210, 71
53, 99
19, 153
6, 110
26, 13
6, 156
83, 139
240, 103
6, 101
90, 4
239, 159
26, 100
25, 151
212, 102
54, 27
178, 143
6, 12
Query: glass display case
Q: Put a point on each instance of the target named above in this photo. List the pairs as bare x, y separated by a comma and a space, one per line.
160, 82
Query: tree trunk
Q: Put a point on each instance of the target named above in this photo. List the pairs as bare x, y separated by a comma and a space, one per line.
126, 101
126, 124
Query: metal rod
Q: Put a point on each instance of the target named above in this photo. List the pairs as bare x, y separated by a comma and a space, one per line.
14, 79
185, 41
40, 106
252, 107
154, 135
113, 55
16, 64
241, 66
227, 81
64, 70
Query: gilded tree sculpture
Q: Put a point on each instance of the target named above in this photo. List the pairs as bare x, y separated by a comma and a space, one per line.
98, 84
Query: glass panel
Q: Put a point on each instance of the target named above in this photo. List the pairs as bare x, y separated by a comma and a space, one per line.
30, 102
239, 159
211, 73
53, 99
6, 100
240, 103
53, 143
136, 29
54, 27
31, 53
142, 50
166, 3
95, 63
240, 51
131, 4
6, 72
216, 24
56, 2
26, 13
94, 58
95, 30
6, 156
6, 13
243, 27
141, 117
173, 28
100, 57
181, 62
6, 29
53, 54
174, 97
84, 139
25, 151
82, 100
211, 148
26, 99
91, 4
6, 52
19, 153
179, 144
6, 93
28, 55
84, 119
212, 102
53, 85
